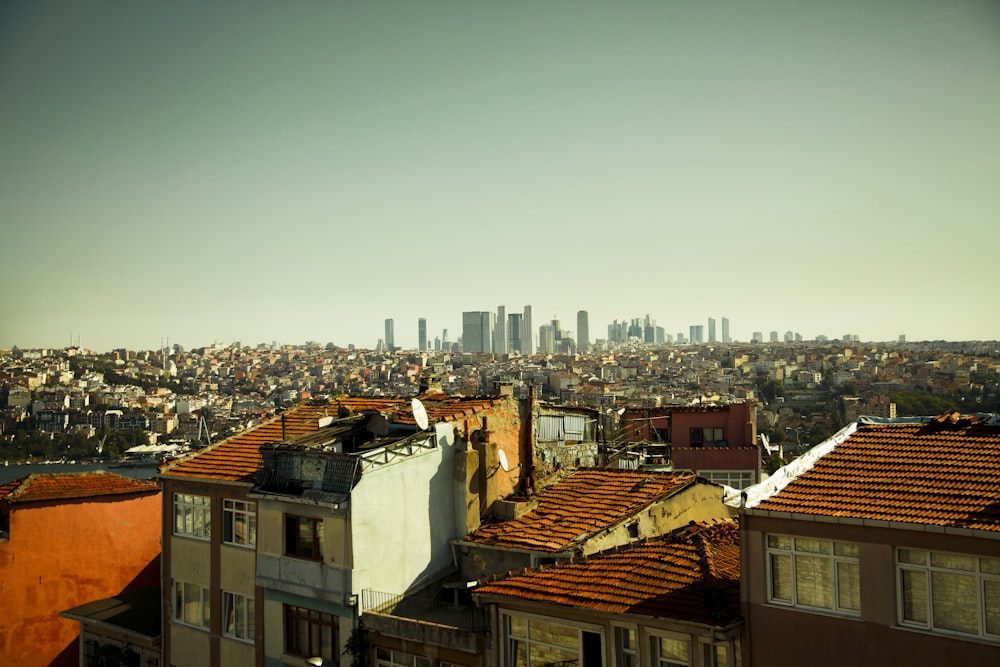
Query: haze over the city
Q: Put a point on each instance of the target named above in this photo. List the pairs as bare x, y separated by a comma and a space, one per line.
288, 172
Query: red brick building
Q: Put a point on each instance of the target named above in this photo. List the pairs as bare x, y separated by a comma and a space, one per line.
68, 539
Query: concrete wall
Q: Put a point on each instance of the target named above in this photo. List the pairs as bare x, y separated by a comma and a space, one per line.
402, 516
63, 554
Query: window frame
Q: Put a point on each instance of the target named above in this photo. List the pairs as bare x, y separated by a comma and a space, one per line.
400, 658
509, 640
927, 569
229, 607
192, 505
313, 619
625, 656
794, 554
180, 604
293, 546
234, 512
657, 660
717, 476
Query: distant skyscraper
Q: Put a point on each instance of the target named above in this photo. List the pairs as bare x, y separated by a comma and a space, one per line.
390, 334
500, 335
726, 338
582, 331
774, 336
711, 330
476, 334
697, 332
758, 337
422, 333
527, 334
546, 339
514, 328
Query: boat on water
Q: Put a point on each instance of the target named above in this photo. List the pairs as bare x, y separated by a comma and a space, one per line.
148, 456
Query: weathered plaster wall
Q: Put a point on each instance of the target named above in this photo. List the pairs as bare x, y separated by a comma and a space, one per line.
61, 555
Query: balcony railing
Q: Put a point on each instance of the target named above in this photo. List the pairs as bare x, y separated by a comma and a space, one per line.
463, 617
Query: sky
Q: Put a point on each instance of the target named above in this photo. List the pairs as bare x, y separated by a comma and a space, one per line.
285, 172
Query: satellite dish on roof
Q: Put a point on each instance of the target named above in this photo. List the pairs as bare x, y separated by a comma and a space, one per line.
419, 414
504, 463
621, 412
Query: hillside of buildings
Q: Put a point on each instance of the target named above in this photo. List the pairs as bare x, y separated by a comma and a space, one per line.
75, 404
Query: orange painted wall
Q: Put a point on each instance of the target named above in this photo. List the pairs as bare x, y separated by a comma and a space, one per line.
61, 555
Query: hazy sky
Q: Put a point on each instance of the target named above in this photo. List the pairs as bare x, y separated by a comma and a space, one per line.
300, 171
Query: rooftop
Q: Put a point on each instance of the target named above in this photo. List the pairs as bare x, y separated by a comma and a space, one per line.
67, 486
583, 503
939, 471
237, 459
691, 574
137, 612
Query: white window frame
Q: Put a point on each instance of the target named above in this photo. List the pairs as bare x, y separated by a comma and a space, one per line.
726, 477
386, 657
710, 653
185, 593
231, 607
794, 554
579, 628
188, 509
987, 571
656, 660
234, 511
626, 656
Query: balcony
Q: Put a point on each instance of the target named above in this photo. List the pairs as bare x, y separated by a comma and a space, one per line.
427, 621
303, 577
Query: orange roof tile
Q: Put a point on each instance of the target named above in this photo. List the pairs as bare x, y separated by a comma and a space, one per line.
583, 503
65, 486
942, 473
237, 458
691, 574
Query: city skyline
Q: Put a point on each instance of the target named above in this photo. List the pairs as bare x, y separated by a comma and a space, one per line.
186, 171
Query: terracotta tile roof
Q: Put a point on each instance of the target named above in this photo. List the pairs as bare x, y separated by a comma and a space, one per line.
945, 472
583, 503
691, 574
236, 459
66, 486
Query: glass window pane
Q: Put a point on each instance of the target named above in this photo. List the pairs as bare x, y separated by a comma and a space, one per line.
517, 626
913, 556
914, 585
779, 542
552, 633
991, 594
845, 549
812, 546
814, 581
543, 655
953, 561
781, 577
674, 649
848, 586
955, 601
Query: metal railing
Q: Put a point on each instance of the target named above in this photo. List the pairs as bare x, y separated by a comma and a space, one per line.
461, 616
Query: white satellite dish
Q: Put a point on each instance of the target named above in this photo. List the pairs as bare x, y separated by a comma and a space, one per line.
504, 463
419, 414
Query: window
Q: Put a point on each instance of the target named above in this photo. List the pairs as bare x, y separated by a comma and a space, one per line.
949, 592
191, 604
310, 633
714, 655
532, 641
670, 652
811, 573
706, 436
304, 537
238, 612
192, 516
386, 658
626, 649
239, 523
737, 479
